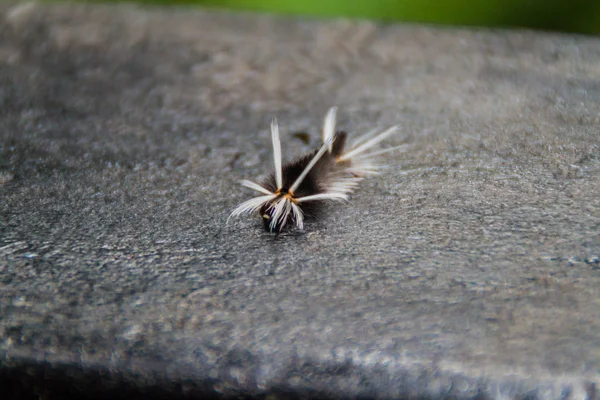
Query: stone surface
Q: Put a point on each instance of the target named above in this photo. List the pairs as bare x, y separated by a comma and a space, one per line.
470, 268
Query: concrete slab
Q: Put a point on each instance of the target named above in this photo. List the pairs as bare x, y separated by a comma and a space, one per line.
469, 269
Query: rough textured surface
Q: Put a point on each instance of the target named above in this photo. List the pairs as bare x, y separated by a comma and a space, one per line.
469, 269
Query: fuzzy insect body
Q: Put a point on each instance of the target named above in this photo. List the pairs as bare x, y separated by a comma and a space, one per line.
327, 174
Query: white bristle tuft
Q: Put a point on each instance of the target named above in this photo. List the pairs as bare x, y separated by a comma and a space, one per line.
298, 216
329, 127
324, 196
277, 152
252, 205
256, 186
369, 144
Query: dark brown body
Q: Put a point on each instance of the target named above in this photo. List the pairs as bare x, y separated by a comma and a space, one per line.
315, 182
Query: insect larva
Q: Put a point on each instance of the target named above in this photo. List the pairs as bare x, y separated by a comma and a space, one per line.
329, 173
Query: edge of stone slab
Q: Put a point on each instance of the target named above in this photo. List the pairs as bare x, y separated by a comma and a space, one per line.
25, 373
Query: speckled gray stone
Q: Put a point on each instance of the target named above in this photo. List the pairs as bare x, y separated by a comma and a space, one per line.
469, 269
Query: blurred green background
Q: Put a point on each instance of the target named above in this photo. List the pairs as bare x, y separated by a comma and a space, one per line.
558, 15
